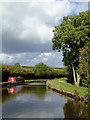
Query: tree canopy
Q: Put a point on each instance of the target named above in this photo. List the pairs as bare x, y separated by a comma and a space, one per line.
17, 65
70, 36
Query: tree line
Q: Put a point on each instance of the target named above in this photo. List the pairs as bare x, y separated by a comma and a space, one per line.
39, 71
72, 37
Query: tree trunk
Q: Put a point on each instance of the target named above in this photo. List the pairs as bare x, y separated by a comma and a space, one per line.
78, 79
74, 76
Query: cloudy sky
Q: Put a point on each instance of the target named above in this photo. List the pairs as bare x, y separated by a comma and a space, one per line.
27, 29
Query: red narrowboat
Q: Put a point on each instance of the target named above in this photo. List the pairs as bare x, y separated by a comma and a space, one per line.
12, 79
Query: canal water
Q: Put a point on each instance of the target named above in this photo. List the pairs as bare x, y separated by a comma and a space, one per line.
35, 101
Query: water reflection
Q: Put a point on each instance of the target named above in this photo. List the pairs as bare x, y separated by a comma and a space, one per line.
74, 109
11, 90
39, 91
10, 93
38, 102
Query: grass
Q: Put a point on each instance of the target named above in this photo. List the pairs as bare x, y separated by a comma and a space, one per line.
67, 87
3, 83
63, 79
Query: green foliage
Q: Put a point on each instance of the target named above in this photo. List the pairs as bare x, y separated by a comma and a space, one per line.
85, 63
17, 65
42, 68
70, 36
87, 99
5, 72
40, 71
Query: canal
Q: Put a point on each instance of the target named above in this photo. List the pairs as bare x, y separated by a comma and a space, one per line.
37, 101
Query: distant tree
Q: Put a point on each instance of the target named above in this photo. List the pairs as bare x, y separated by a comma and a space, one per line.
46, 71
42, 68
17, 65
5, 72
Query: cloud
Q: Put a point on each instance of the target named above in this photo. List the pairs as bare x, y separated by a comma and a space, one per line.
35, 31
36, 1
47, 54
4, 58
80, 0
53, 59
37, 26
81, 7
22, 58
27, 29
27, 26
45, 59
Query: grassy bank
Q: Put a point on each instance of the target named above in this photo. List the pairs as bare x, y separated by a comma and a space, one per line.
3, 83
62, 85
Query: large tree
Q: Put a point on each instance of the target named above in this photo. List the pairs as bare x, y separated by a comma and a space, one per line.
84, 64
69, 36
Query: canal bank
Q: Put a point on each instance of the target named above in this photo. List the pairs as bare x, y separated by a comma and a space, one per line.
76, 92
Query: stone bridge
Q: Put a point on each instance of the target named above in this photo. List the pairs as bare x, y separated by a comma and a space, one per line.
39, 82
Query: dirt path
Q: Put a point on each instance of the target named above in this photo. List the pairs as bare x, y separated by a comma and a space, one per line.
62, 81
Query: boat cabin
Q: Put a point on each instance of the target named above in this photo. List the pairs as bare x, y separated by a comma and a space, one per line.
12, 79
18, 79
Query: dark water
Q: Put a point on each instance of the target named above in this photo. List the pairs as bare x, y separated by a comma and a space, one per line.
38, 102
